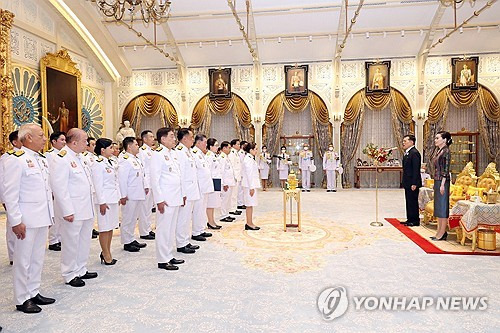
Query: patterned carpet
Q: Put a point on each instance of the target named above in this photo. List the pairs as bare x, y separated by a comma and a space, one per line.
268, 281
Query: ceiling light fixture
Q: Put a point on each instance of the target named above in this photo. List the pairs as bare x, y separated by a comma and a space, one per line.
150, 10
367, 35
310, 39
461, 30
216, 44
145, 47
295, 39
421, 32
200, 45
402, 33
135, 48
478, 29
385, 34
279, 40
230, 43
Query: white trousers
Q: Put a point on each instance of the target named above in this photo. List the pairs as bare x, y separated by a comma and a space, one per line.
130, 214
75, 239
183, 232
241, 196
10, 238
145, 215
54, 234
235, 196
166, 224
306, 179
28, 263
226, 201
200, 215
331, 180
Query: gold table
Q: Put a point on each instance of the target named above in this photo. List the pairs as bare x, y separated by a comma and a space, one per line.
288, 197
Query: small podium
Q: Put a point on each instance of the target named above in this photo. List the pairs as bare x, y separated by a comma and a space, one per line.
289, 196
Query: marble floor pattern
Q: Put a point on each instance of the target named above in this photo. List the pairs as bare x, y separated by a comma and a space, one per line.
264, 282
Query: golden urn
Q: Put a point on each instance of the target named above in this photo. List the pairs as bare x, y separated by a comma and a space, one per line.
292, 180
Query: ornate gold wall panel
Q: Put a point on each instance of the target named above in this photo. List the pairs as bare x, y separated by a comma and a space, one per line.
6, 86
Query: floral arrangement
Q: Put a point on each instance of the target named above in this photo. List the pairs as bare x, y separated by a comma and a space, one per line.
380, 155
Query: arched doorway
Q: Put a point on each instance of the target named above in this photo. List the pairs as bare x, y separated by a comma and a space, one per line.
369, 119
150, 111
471, 116
223, 119
306, 121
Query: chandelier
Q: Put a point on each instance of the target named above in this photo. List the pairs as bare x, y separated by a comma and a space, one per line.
457, 3
150, 10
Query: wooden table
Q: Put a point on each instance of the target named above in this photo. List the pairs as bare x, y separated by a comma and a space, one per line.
288, 197
359, 169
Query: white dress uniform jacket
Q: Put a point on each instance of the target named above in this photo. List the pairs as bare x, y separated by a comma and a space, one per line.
54, 232
131, 177
282, 165
214, 163
189, 174
204, 174
145, 215
9, 234
330, 165
264, 162
250, 180
105, 180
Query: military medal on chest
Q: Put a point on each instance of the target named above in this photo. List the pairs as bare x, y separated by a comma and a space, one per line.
73, 164
30, 164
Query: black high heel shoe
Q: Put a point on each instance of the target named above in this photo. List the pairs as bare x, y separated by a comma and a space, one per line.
443, 238
103, 261
247, 227
217, 227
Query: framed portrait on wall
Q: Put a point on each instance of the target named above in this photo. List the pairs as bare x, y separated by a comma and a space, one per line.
296, 80
464, 73
378, 78
61, 93
220, 82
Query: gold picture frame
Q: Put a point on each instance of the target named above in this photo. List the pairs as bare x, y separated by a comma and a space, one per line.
61, 92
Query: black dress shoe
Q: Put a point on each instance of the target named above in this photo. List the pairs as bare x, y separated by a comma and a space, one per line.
95, 233
55, 247
185, 249
198, 238
242, 207
236, 212
89, 275
131, 248
41, 300
139, 245
247, 227
152, 233
412, 224
193, 247
227, 219
303, 190
216, 227
206, 234
11, 263
174, 261
334, 190
29, 307
167, 266
153, 210
308, 190
76, 282
148, 237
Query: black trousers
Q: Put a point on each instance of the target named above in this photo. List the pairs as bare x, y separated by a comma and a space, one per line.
411, 198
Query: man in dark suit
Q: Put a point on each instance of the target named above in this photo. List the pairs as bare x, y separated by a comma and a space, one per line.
411, 180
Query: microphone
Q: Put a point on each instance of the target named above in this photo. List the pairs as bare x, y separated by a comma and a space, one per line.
390, 149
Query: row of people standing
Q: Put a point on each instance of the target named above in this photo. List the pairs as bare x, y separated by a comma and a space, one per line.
69, 188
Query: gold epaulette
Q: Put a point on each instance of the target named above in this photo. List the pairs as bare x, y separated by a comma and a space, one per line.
179, 147
100, 159
50, 150
143, 148
41, 154
195, 151
19, 153
10, 152
125, 156
62, 153
159, 148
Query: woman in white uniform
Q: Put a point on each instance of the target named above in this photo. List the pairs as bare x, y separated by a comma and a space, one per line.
107, 190
250, 182
282, 166
214, 198
264, 162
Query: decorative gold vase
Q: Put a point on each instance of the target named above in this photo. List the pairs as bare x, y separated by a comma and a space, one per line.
292, 180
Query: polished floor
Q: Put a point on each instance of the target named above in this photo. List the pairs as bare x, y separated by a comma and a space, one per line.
269, 280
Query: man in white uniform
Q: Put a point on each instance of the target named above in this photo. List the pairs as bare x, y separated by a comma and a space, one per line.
90, 156
190, 190
241, 154
167, 192
228, 182
145, 215
74, 208
305, 163
235, 159
331, 165
28, 199
206, 186
133, 190
57, 141
9, 235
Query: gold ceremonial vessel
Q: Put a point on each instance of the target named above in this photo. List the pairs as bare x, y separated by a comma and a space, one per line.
487, 239
292, 180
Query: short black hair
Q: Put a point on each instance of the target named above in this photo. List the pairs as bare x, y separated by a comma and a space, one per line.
447, 136
264, 146
224, 144
127, 142
211, 142
182, 133
234, 141
411, 137
90, 139
249, 146
144, 133
283, 147
161, 132
54, 136
102, 143
13, 136
199, 137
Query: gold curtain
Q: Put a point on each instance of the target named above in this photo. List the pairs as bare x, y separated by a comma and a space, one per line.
437, 107
489, 104
402, 108
461, 98
297, 103
274, 110
376, 101
149, 105
353, 109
